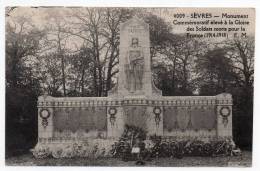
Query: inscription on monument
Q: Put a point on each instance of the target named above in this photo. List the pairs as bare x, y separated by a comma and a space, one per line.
135, 29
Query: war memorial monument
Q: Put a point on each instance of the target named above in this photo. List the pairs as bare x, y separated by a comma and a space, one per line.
135, 100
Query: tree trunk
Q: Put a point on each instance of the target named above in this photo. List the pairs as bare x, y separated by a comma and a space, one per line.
109, 70
173, 75
82, 81
61, 55
63, 75
100, 81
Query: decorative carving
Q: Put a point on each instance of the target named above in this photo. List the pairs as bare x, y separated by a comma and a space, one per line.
45, 114
112, 112
134, 68
225, 112
157, 111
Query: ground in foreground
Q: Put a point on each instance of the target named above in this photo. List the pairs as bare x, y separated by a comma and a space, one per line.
234, 161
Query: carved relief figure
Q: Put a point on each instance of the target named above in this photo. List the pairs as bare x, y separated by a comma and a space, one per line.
134, 67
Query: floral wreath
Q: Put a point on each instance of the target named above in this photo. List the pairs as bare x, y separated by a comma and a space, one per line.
45, 117
112, 111
157, 110
228, 113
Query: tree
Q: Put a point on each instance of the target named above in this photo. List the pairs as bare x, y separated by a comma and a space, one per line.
215, 72
99, 29
81, 73
167, 67
228, 67
22, 43
241, 52
57, 39
177, 57
22, 87
160, 32
88, 26
164, 51
48, 69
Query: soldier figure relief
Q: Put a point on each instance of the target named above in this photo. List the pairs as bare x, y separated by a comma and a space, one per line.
134, 67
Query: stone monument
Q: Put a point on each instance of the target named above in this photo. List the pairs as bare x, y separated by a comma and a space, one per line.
134, 101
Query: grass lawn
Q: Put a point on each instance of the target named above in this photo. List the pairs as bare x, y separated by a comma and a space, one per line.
29, 160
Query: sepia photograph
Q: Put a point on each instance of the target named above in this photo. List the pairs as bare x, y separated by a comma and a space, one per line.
121, 86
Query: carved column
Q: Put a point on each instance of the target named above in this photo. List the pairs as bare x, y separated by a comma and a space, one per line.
224, 115
115, 121
45, 117
155, 120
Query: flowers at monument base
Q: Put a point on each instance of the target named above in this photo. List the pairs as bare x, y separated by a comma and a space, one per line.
94, 148
150, 147
156, 146
98, 148
178, 149
41, 151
